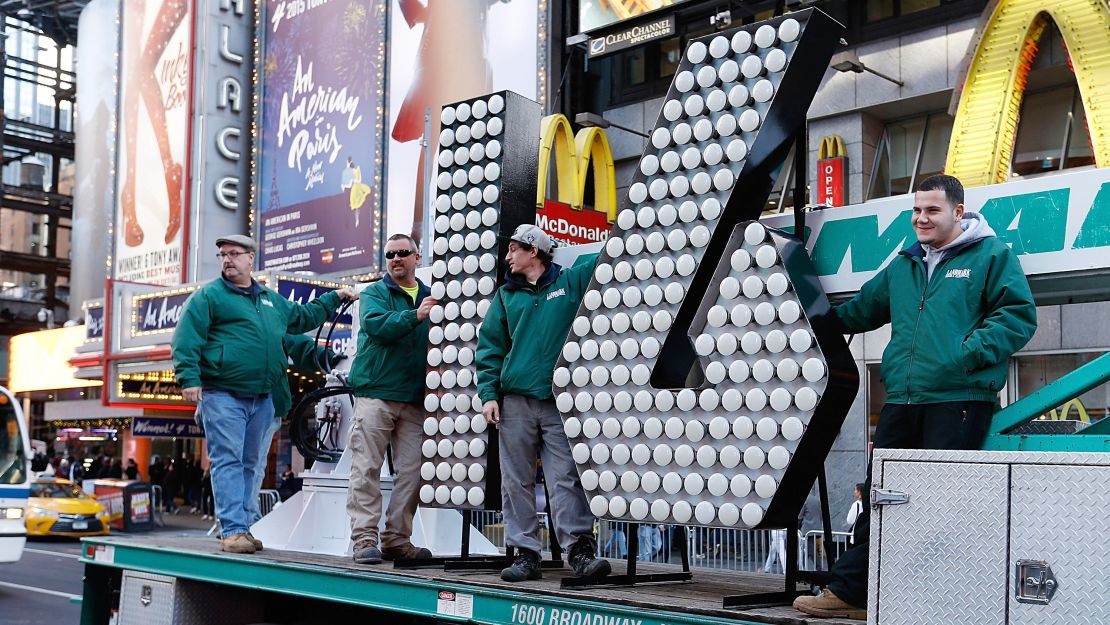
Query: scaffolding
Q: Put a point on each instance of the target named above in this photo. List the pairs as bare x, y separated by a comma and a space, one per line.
37, 143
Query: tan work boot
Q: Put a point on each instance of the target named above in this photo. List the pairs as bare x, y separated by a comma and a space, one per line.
828, 605
257, 543
237, 543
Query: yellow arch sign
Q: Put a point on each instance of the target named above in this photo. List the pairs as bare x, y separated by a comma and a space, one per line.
990, 101
574, 155
831, 147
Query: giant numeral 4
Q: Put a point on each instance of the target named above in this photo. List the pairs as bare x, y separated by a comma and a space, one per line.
700, 384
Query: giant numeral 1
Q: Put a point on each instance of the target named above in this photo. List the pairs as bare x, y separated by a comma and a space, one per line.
699, 383
486, 186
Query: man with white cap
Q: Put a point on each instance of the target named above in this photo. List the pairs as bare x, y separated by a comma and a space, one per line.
518, 346
228, 357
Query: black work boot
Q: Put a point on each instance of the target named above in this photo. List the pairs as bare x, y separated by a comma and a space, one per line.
584, 562
525, 566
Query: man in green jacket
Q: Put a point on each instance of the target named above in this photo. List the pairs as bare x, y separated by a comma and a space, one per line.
228, 357
518, 345
388, 380
959, 306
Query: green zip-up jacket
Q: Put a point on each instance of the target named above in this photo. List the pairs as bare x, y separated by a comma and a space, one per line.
305, 356
392, 344
525, 329
952, 336
231, 338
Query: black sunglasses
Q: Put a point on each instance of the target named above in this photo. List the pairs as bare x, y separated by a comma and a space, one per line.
399, 253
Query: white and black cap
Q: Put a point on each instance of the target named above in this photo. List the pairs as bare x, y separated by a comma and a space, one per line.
533, 236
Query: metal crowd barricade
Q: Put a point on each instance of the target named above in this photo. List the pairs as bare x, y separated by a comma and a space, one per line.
159, 505
812, 553
268, 499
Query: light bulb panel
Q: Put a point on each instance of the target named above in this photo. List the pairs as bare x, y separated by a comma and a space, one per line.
701, 376
488, 152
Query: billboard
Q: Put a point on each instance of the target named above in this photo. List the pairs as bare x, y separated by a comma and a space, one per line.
445, 51
594, 14
155, 102
95, 152
319, 158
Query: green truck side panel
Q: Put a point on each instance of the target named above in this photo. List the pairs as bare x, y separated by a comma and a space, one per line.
396, 593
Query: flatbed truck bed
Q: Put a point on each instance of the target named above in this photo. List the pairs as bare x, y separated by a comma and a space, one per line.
432, 594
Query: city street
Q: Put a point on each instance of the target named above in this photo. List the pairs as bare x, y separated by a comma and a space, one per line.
45, 585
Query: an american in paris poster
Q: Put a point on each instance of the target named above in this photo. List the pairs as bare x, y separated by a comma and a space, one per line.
319, 166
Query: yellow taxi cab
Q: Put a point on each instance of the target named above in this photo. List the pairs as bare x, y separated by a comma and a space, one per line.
59, 507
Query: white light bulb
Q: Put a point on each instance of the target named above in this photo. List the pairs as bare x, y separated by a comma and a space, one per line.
763, 371
777, 284
731, 399
730, 457
694, 484
738, 371
813, 370
660, 510
599, 505
662, 455
756, 399
717, 484
754, 457
443, 494
789, 29
767, 428
778, 458
751, 514
775, 61
765, 486
696, 52
801, 340
805, 399
753, 287
743, 427
763, 90
682, 511
787, 370
427, 493
792, 428
715, 372
740, 485
776, 341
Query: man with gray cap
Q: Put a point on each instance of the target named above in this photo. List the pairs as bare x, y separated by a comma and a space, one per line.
228, 358
518, 345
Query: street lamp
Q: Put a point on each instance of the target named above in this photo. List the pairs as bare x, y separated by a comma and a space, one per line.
589, 120
848, 61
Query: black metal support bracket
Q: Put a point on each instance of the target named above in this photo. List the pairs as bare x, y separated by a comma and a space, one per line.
794, 574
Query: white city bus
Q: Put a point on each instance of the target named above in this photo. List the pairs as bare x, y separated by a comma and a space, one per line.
15, 477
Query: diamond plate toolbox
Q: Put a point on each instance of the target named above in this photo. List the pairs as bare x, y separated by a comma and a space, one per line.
1006, 538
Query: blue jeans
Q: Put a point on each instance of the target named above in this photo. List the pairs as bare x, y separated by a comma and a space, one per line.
651, 541
237, 428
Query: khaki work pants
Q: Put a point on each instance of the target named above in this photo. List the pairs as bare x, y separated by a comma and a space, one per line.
377, 423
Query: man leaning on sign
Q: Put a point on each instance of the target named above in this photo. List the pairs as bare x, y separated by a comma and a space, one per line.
229, 357
959, 306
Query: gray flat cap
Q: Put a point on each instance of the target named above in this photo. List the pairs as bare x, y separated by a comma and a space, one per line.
241, 240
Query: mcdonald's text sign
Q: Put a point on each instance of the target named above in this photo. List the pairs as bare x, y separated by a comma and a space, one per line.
570, 226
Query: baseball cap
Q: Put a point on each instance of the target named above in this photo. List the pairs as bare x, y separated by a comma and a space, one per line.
241, 240
532, 236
